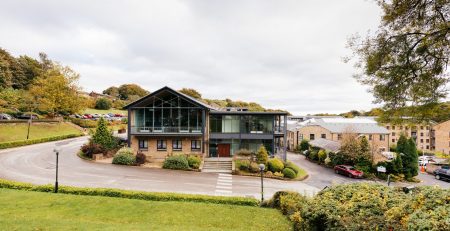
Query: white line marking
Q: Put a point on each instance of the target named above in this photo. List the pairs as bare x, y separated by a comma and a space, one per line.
223, 187
223, 191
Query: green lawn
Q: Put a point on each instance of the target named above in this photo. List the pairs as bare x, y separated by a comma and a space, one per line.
14, 132
97, 111
24, 210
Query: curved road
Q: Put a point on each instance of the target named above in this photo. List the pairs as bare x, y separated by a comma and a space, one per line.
36, 164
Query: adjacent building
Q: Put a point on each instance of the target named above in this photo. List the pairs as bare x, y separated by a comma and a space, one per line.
421, 133
441, 137
167, 122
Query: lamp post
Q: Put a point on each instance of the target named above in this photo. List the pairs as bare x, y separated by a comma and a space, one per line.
56, 150
261, 169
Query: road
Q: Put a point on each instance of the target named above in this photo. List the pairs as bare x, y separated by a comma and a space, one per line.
36, 164
321, 177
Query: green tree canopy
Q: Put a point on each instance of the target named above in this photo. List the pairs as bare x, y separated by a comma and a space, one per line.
127, 90
103, 104
112, 91
405, 61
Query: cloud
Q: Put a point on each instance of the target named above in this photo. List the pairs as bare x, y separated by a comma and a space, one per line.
281, 54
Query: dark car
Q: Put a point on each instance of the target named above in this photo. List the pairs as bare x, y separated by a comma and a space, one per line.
442, 174
27, 117
347, 170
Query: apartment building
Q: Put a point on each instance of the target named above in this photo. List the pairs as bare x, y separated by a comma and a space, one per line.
441, 137
421, 133
333, 129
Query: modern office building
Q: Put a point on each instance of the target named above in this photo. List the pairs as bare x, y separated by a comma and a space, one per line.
167, 122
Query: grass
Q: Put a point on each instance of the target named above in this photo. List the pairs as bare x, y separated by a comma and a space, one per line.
15, 132
112, 110
24, 210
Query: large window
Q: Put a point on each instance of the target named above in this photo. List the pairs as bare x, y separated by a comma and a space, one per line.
177, 145
224, 124
161, 145
257, 124
195, 145
311, 136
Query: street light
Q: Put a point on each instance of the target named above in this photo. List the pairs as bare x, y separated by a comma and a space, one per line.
261, 168
56, 150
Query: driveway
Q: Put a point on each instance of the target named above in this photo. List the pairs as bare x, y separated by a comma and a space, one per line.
36, 164
321, 177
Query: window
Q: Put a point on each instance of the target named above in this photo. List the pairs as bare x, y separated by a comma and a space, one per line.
311, 136
421, 140
387, 127
177, 145
143, 144
428, 127
421, 127
393, 127
428, 146
427, 140
406, 128
324, 136
382, 137
339, 136
393, 134
393, 140
195, 144
421, 134
161, 145
370, 136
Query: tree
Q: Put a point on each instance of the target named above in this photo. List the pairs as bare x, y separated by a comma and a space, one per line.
410, 159
191, 92
103, 104
401, 144
127, 90
112, 91
364, 150
56, 91
397, 165
103, 136
304, 145
350, 147
262, 156
405, 62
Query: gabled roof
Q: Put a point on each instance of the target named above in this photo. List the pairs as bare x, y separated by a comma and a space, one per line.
186, 97
342, 125
328, 145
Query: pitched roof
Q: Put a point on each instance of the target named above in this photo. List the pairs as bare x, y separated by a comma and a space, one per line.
188, 98
328, 145
342, 125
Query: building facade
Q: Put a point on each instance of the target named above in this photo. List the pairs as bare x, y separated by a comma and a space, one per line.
421, 133
167, 122
441, 137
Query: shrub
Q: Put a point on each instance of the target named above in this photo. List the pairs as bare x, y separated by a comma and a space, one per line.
304, 145
327, 161
84, 123
262, 156
243, 152
103, 104
254, 167
138, 195
140, 158
36, 141
292, 166
243, 165
279, 174
194, 162
289, 173
276, 165
313, 155
124, 157
269, 173
90, 148
176, 162
321, 155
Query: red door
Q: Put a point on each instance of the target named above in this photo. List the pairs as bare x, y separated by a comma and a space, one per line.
223, 150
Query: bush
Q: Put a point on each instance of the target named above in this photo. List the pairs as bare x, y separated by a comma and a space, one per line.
19, 143
90, 148
276, 165
176, 162
138, 195
279, 174
103, 104
124, 157
262, 156
243, 165
84, 123
254, 167
313, 155
243, 152
269, 173
289, 173
194, 162
304, 145
292, 166
321, 155
140, 158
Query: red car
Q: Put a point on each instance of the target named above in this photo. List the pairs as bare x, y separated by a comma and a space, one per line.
348, 171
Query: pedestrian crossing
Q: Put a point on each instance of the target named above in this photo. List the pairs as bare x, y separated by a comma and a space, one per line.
224, 184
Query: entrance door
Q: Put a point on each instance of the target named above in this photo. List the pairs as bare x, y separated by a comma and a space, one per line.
223, 150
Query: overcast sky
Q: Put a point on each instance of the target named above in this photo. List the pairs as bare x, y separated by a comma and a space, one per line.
281, 54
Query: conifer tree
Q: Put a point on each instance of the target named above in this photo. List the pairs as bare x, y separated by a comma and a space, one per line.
103, 135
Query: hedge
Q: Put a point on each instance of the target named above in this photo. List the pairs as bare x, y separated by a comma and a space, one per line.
20, 121
138, 195
19, 143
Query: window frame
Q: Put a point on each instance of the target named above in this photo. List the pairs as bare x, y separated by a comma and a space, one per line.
194, 147
161, 145
177, 145
144, 142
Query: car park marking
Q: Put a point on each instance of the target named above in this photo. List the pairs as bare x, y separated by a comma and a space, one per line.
224, 185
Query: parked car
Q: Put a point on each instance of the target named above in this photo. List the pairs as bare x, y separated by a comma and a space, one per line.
347, 170
119, 115
28, 116
442, 174
88, 116
4, 116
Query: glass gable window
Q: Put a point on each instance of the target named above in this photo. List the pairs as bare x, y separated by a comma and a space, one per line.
168, 113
